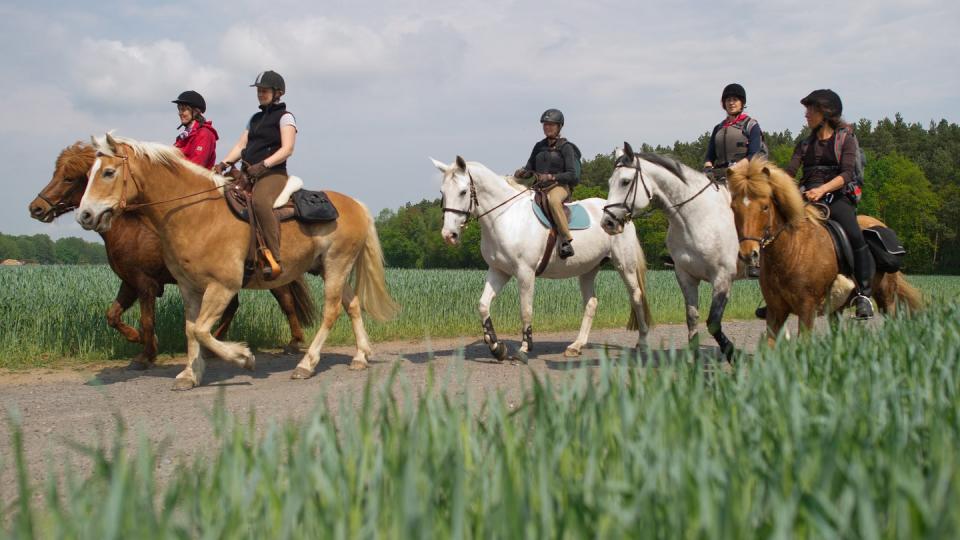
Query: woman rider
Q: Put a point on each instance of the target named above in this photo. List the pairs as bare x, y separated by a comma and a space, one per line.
198, 140
828, 158
555, 163
738, 137
265, 146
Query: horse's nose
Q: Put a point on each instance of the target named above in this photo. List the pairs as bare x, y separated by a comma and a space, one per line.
85, 218
36, 211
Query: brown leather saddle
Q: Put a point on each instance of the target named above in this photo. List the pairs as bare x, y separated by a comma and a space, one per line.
540, 190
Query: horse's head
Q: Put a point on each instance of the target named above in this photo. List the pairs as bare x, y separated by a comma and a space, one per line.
765, 201
110, 185
458, 198
628, 191
65, 189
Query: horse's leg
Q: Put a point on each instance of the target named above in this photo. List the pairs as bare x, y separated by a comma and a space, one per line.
589, 297
807, 314
526, 283
193, 372
126, 296
285, 299
718, 303
227, 318
148, 312
334, 279
214, 301
495, 281
776, 318
631, 275
690, 287
351, 304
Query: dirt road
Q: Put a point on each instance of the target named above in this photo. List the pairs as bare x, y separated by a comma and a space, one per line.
80, 404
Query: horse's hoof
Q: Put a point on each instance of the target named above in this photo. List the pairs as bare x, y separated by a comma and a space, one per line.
139, 364
499, 351
570, 352
357, 365
250, 363
521, 357
294, 347
183, 384
301, 373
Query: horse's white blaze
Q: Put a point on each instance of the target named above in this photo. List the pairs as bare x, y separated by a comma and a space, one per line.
746, 201
90, 176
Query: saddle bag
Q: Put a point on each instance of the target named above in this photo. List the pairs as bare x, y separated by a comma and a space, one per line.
313, 206
887, 250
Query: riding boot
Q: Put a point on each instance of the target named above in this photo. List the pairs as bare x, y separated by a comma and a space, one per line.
863, 272
667, 260
761, 312
566, 249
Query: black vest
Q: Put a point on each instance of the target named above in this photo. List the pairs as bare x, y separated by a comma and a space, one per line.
731, 143
263, 137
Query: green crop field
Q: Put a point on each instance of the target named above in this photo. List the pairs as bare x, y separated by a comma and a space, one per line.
855, 434
48, 313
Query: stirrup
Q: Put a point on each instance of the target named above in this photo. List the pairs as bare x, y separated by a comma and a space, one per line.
273, 270
864, 307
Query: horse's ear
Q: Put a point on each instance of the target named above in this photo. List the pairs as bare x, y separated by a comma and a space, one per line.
627, 150
440, 165
94, 142
766, 171
617, 153
461, 164
111, 142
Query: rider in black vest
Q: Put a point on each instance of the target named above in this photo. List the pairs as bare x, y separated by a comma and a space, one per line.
555, 163
738, 137
265, 146
826, 174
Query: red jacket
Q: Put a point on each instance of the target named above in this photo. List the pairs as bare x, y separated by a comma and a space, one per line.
199, 143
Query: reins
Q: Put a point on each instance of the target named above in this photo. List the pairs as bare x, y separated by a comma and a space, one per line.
125, 165
631, 195
474, 203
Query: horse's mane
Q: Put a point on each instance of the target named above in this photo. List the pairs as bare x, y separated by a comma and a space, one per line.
511, 181
668, 163
162, 154
761, 178
75, 160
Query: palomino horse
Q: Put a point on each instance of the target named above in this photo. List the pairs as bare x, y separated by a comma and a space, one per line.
204, 247
513, 241
134, 253
799, 272
701, 236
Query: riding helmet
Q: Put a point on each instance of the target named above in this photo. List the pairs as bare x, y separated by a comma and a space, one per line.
192, 99
552, 115
827, 100
735, 90
270, 79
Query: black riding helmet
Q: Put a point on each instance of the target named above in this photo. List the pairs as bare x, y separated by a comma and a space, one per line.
270, 79
827, 100
192, 99
735, 90
552, 115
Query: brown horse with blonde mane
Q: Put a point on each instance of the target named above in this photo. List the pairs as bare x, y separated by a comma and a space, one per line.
799, 272
204, 246
134, 254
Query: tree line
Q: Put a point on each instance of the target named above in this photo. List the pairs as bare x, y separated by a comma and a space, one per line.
912, 183
41, 249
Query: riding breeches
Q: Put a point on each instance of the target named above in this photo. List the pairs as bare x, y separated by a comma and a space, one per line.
844, 213
555, 198
265, 192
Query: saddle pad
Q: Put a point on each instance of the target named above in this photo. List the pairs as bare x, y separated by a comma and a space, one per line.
578, 219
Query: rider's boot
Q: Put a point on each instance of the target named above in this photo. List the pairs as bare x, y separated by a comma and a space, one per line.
667, 260
863, 272
761, 312
566, 249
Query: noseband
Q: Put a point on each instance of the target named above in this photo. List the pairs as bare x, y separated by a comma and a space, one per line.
768, 236
631, 195
61, 207
474, 204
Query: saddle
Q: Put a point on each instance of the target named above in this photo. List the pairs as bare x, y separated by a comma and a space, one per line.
577, 219
885, 248
292, 203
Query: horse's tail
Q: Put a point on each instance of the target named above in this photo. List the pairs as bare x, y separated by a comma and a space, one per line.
303, 304
907, 293
633, 323
370, 277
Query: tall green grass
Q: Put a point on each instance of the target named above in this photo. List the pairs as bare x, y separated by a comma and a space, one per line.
850, 435
52, 312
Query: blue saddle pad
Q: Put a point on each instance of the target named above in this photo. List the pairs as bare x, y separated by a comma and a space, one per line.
579, 218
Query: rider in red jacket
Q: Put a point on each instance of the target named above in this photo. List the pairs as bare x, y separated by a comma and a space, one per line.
198, 140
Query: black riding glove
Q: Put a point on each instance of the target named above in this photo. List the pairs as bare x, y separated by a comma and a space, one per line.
256, 170
522, 173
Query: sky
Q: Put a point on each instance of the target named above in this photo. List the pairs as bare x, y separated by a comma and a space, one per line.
380, 87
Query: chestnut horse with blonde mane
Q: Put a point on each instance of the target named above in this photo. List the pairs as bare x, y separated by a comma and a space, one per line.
799, 272
134, 254
204, 246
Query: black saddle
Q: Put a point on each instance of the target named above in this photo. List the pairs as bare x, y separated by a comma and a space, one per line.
841, 245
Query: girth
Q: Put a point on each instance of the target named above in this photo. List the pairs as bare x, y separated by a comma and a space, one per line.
540, 199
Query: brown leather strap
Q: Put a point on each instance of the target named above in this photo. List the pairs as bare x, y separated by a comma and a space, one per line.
548, 252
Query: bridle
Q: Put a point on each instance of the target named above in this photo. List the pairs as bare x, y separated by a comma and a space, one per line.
474, 203
769, 236
61, 207
631, 196
126, 176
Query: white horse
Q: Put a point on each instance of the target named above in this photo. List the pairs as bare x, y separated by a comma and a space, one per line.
513, 241
701, 237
